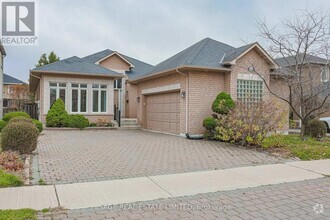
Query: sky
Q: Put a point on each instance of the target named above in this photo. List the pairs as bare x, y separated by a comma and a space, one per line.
148, 30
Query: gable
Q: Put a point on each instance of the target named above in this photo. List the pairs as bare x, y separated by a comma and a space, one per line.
256, 58
257, 49
115, 62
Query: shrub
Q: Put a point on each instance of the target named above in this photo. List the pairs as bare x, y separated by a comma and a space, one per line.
20, 118
20, 136
92, 125
57, 116
316, 128
250, 124
209, 123
223, 103
8, 180
2, 124
38, 124
11, 161
11, 115
78, 121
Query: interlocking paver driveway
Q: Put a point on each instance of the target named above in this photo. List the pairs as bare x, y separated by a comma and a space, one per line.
298, 200
77, 156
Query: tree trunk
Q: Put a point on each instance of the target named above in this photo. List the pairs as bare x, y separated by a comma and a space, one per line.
303, 128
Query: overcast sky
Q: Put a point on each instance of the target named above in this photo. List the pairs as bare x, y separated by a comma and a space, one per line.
148, 30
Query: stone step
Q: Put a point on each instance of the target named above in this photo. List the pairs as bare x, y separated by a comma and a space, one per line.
129, 127
129, 120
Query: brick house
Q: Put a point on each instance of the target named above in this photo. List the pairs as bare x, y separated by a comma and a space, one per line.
10, 85
172, 97
313, 68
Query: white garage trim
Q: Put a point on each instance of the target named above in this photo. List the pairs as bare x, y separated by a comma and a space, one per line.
161, 89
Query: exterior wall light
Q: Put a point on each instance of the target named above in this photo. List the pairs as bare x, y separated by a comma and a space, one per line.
183, 94
138, 99
251, 68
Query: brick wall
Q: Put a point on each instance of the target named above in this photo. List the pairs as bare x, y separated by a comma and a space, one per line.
252, 58
203, 88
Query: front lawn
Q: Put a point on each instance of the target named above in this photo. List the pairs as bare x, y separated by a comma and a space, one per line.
310, 149
20, 214
9, 180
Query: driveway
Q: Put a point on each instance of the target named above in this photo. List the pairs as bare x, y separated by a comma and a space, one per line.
80, 156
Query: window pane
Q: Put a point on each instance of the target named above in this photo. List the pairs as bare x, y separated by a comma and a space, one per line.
96, 86
52, 97
83, 85
62, 84
119, 83
103, 101
249, 91
62, 94
95, 101
53, 84
83, 101
74, 100
103, 86
75, 85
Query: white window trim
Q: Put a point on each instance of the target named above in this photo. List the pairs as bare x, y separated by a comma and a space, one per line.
57, 87
99, 101
115, 86
79, 98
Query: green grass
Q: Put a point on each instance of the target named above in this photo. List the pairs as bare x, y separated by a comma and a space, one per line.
8, 180
20, 214
310, 149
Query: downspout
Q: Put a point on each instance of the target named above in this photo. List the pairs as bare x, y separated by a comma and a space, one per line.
187, 96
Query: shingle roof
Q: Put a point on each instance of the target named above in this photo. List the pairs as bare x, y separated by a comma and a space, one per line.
291, 60
233, 54
140, 68
77, 65
11, 80
207, 52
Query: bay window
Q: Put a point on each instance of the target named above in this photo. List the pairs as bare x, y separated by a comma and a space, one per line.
79, 98
249, 91
99, 98
56, 90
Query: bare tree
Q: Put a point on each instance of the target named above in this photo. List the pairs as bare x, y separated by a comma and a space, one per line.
301, 46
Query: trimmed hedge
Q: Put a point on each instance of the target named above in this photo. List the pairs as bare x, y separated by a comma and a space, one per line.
38, 124
11, 115
77, 121
57, 116
209, 123
2, 125
316, 128
223, 103
20, 136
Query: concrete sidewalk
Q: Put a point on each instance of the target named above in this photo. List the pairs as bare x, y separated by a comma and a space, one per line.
95, 194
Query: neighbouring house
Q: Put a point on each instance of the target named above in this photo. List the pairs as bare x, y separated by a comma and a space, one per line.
15, 91
2, 55
172, 97
315, 68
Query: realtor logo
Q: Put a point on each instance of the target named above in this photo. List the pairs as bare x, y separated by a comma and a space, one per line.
18, 23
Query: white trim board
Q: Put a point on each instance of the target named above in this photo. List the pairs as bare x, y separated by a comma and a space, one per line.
161, 89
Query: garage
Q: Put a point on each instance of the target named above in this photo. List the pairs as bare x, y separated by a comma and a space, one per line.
163, 112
